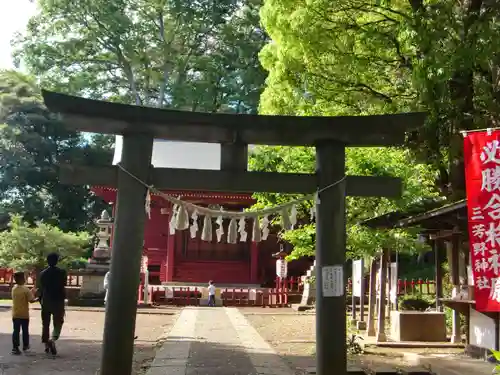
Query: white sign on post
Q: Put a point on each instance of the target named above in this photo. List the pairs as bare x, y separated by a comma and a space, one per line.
281, 268
169, 293
391, 286
393, 293
357, 277
333, 281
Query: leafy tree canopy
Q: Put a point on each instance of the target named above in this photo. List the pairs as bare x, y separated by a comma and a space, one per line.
383, 56
168, 53
418, 181
25, 247
32, 142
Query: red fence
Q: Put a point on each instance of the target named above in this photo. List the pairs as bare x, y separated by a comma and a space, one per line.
406, 287
263, 297
7, 278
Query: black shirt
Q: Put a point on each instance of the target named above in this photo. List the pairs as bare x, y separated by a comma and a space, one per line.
52, 286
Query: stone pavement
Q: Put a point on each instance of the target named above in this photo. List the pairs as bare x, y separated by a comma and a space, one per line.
80, 344
446, 364
218, 341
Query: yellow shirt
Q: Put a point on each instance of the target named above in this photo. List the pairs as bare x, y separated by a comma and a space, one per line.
21, 298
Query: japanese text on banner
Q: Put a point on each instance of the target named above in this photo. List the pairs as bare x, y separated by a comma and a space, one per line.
482, 170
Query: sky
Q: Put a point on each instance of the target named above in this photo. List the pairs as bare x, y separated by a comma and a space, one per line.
14, 16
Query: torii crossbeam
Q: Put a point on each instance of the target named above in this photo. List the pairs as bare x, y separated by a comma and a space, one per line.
140, 125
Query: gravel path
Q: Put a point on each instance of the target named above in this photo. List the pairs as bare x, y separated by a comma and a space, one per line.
293, 336
80, 344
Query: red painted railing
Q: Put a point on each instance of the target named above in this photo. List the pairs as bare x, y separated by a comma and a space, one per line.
406, 286
7, 278
263, 297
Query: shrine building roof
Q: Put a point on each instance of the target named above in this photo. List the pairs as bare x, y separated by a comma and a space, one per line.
109, 195
429, 216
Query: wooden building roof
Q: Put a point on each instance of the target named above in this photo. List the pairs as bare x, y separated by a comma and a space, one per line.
443, 217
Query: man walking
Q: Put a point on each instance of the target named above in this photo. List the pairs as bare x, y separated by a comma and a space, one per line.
52, 283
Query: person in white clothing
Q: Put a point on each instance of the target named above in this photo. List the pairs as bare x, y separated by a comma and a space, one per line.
211, 294
106, 285
107, 278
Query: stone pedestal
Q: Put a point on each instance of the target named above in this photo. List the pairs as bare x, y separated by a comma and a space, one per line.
309, 293
428, 326
92, 291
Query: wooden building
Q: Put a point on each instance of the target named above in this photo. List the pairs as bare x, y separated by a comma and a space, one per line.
445, 228
179, 258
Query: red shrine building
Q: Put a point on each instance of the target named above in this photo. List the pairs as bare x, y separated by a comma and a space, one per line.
178, 258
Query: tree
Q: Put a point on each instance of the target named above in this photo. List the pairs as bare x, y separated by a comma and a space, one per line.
363, 56
24, 247
168, 53
418, 181
32, 142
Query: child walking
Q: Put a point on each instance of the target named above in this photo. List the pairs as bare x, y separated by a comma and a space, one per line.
21, 298
211, 294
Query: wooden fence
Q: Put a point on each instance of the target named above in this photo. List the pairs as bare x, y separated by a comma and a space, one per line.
406, 286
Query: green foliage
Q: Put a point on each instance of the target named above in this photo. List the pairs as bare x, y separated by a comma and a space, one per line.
353, 346
415, 302
179, 54
364, 57
362, 241
32, 142
413, 267
495, 358
25, 247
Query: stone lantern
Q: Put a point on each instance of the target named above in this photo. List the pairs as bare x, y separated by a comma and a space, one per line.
102, 252
92, 289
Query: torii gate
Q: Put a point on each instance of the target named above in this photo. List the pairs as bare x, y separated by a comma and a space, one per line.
140, 125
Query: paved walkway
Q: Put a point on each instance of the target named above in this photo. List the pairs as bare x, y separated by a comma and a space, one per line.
212, 341
459, 364
80, 344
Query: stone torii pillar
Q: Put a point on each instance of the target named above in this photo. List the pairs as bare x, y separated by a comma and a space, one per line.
139, 125
121, 305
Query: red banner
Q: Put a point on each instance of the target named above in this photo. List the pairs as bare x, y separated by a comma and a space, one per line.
482, 173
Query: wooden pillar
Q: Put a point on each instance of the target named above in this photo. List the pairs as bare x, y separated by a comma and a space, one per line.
372, 297
363, 292
455, 281
361, 324
331, 355
382, 297
438, 284
254, 263
389, 285
353, 298
121, 307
